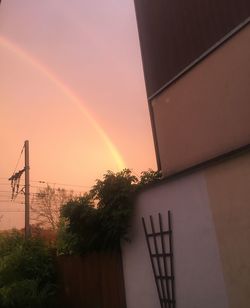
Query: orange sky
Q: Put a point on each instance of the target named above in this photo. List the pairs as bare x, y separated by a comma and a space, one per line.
72, 83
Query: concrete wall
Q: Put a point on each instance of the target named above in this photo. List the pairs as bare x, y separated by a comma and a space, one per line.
206, 112
211, 233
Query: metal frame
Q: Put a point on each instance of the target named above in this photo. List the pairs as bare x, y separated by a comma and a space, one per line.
162, 268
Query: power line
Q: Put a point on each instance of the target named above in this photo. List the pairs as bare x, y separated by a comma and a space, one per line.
4, 201
18, 159
67, 190
16, 203
53, 183
62, 184
22, 211
5, 193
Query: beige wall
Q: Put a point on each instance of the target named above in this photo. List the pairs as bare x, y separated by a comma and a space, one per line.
206, 113
211, 234
228, 187
198, 271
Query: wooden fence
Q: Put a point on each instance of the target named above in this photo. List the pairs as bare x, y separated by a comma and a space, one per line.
91, 281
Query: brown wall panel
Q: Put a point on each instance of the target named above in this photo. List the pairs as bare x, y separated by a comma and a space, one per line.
229, 196
206, 112
175, 33
91, 281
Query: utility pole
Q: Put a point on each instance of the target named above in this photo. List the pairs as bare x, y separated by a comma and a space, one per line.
27, 189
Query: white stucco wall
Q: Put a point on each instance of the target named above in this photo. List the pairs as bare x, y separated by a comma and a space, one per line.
199, 280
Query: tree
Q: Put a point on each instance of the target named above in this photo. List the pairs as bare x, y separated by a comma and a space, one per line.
46, 205
100, 219
27, 273
148, 177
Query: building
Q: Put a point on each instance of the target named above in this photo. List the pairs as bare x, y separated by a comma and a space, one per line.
196, 59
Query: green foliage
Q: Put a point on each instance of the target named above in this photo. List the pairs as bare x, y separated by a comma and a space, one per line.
100, 219
81, 225
27, 277
115, 188
67, 242
149, 177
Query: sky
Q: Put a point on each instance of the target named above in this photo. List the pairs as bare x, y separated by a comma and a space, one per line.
71, 82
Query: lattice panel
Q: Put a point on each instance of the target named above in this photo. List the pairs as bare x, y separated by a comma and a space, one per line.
160, 247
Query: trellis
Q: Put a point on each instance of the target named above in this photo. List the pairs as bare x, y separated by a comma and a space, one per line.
160, 247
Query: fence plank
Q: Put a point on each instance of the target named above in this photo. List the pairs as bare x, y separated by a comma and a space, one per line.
91, 281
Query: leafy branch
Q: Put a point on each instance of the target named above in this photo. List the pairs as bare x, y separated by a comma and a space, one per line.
100, 219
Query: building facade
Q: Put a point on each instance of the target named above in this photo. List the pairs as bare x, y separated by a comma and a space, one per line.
196, 59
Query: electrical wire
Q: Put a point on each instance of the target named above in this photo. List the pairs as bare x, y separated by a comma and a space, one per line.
52, 183
18, 160
62, 184
22, 211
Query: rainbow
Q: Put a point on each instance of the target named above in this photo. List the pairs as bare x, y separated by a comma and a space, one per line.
25, 56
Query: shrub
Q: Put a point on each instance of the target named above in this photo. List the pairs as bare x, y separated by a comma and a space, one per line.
27, 276
100, 219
